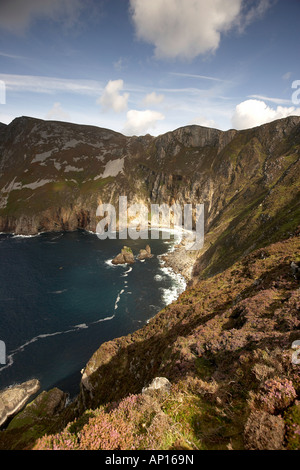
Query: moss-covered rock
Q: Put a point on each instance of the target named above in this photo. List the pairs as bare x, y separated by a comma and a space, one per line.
41, 416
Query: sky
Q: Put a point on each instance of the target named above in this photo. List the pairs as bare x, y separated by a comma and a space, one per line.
150, 66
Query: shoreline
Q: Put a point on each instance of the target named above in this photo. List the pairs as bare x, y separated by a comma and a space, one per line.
180, 260
175, 263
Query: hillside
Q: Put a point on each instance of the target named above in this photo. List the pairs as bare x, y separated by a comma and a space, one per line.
225, 345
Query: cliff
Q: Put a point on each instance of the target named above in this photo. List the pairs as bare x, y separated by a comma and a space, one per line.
225, 348
225, 345
53, 175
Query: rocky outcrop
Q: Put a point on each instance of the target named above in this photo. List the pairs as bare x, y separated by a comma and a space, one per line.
180, 260
145, 254
125, 257
159, 383
13, 399
41, 416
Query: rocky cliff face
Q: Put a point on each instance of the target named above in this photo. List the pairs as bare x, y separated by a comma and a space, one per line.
53, 175
225, 346
225, 351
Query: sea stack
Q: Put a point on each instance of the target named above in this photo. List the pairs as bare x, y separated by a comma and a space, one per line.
125, 257
144, 254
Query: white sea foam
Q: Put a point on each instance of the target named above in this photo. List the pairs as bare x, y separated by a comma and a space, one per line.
127, 272
178, 281
21, 348
103, 319
109, 263
25, 236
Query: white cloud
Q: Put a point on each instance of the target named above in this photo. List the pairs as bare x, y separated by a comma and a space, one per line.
57, 113
252, 113
112, 99
50, 85
17, 15
255, 12
139, 122
272, 100
186, 28
153, 98
201, 77
183, 28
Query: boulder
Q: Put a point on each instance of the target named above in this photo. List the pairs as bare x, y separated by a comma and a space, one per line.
159, 383
13, 399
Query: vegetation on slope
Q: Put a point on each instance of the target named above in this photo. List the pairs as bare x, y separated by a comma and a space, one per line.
225, 346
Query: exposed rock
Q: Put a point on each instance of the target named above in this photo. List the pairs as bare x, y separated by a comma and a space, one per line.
13, 399
159, 383
296, 269
39, 417
264, 431
181, 260
52, 402
125, 257
145, 254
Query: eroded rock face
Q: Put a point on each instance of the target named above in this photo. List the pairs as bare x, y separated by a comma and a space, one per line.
54, 176
13, 399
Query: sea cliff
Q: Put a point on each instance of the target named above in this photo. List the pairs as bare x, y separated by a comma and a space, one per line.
226, 344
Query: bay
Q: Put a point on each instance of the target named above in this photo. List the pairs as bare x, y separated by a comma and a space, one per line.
61, 298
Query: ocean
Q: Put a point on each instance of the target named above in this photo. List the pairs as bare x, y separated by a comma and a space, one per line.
61, 298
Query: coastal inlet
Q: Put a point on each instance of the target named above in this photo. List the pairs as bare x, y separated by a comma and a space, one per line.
62, 296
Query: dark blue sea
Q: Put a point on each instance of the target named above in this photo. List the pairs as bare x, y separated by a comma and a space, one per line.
61, 298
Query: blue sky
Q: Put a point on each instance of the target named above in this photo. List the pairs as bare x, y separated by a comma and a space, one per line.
150, 66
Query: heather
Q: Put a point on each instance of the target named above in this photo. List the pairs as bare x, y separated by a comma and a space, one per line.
225, 346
